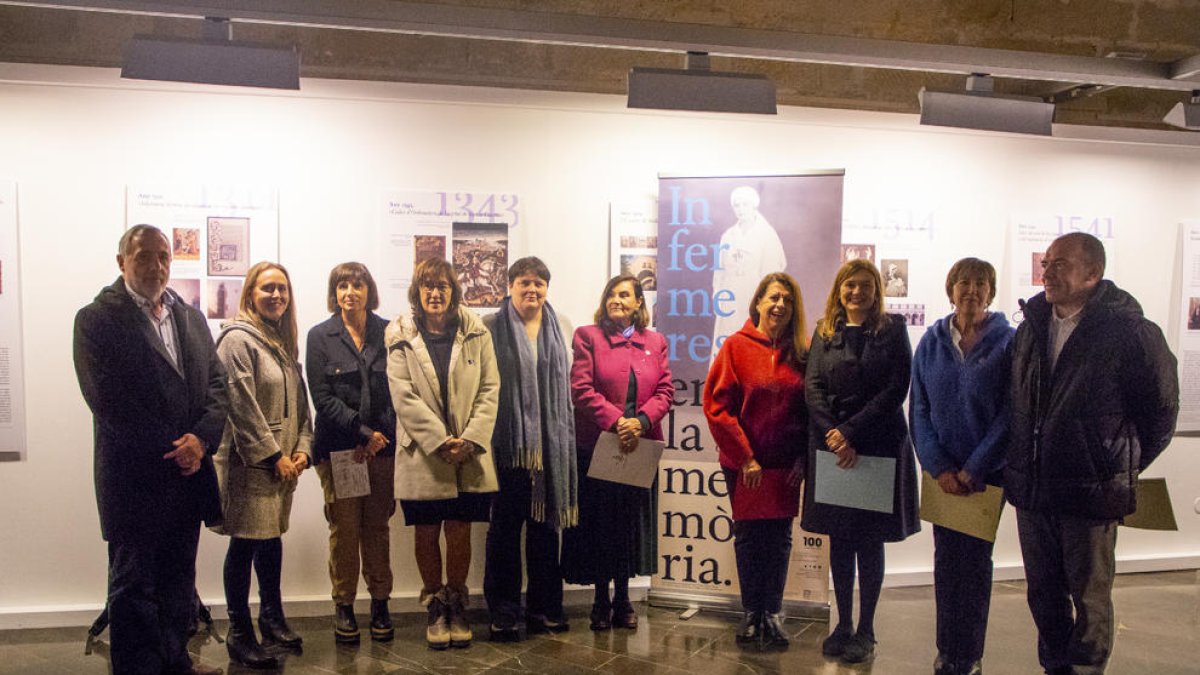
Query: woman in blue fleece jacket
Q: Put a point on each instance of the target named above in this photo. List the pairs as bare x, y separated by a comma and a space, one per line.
960, 414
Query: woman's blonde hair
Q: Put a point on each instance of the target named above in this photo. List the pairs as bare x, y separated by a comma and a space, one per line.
834, 310
796, 349
281, 337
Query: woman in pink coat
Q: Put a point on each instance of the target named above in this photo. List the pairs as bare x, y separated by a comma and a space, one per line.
620, 382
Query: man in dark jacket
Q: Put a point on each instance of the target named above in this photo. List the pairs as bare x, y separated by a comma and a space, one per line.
148, 370
1095, 397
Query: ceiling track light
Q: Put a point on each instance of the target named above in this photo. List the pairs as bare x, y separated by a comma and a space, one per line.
1185, 115
981, 108
699, 88
216, 58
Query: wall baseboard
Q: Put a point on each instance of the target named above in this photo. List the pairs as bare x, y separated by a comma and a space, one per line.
68, 616
65, 616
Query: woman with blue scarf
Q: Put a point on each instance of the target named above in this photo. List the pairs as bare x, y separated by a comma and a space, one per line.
534, 448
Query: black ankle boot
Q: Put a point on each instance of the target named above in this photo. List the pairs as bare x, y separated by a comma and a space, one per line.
243, 645
381, 621
345, 626
274, 627
750, 629
773, 632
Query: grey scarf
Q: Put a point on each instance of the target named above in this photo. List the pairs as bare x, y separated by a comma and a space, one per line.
535, 426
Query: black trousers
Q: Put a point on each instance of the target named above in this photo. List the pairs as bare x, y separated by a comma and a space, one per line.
1069, 568
502, 570
151, 593
962, 586
762, 549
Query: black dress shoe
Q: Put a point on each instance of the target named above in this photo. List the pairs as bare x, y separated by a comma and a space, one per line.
345, 626
536, 624
836, 642
858, 649
750, 630
601, 617
505, 631
381, 621
969, 668
624, 616
944, 665
201, 669
773, 632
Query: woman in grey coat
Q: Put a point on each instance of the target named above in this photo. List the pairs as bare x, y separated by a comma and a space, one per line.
264, 450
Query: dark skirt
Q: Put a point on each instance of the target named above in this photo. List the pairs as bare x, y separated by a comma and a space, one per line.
617, 534
851, 523
470, 507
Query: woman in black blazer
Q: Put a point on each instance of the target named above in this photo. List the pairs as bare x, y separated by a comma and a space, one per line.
347, 374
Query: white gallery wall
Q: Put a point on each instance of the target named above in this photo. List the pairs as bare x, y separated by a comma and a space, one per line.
73, 139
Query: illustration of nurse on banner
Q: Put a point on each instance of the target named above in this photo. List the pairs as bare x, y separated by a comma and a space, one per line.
749, 250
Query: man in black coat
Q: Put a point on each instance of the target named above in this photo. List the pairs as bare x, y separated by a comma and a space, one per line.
148, 371
1095, 397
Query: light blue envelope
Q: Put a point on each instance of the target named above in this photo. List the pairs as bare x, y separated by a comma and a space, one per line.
869, 485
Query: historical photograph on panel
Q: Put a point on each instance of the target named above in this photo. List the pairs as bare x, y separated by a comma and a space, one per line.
895, 277
188, 289
481, 261
228, 246
856, 251
223, 297
428, 246
186, 242
914, 315
1193, 314
639, 241
644, 267
1036, 271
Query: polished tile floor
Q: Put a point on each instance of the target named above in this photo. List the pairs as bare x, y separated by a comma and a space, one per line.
1158, 619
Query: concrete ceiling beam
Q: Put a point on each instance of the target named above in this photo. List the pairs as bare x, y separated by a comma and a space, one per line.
398, 16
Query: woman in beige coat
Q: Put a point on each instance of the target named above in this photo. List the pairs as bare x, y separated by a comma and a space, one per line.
264, 450
445, 386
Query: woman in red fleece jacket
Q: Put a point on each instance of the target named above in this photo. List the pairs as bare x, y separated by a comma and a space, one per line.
754, 402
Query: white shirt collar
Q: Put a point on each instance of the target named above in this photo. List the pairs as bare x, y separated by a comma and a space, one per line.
141, 301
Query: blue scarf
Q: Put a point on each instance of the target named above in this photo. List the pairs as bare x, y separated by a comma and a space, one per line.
535, 425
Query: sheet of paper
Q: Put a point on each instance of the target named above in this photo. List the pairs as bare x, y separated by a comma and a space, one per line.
349, 477
636, 468
977, 514
1154, 510
869, 485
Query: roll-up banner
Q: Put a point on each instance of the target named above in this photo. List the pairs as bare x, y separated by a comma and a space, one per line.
717, 237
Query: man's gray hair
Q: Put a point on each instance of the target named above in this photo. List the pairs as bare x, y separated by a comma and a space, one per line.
134, 232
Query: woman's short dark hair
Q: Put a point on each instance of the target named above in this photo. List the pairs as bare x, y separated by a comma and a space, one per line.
971, 268
433, 271
641, 317
354, 272
526, 265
